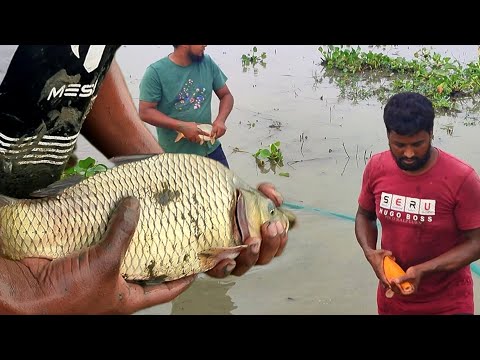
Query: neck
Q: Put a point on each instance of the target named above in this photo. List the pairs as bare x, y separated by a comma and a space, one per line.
180, 57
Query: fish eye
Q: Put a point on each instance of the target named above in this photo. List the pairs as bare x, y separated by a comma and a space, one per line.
271, 208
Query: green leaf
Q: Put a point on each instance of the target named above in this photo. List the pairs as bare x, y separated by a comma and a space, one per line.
286, 174
86, 163
265, 153
69, 171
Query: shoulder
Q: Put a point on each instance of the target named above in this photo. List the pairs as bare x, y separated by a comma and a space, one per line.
154, 70
208, 61
454, 163
160, 64
380, 158
378, 165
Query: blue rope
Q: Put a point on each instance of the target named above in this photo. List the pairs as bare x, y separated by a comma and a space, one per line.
323, 212
475, 267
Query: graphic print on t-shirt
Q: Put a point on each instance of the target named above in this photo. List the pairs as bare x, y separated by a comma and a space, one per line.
190, 95
406, 209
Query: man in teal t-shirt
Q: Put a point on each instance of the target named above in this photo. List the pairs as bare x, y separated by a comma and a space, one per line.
176, 94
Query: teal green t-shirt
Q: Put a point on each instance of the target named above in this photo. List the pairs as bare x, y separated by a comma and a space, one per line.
183, 93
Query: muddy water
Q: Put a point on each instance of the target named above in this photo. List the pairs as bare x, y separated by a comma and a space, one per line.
325, 141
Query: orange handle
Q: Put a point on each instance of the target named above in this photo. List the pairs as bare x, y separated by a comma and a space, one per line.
393, 270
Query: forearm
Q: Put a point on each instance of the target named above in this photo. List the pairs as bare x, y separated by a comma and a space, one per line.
454, 259
113, 125
366, 232
225, 108
159, 119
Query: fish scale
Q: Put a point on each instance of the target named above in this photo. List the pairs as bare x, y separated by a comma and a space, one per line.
187, 219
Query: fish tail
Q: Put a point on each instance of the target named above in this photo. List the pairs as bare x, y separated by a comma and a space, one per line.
179, 136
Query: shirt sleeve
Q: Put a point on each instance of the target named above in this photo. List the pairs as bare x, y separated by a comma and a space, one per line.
366, 199
219, 78
150, 87
467, 210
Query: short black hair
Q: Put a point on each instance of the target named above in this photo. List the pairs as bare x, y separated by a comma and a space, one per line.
408, 113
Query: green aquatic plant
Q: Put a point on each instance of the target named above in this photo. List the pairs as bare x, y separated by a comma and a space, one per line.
271, 155
86, 167
362, 74
252, 58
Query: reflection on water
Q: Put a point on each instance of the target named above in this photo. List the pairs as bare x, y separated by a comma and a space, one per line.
210, 298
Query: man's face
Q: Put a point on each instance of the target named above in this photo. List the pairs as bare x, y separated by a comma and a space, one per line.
410, 152
197, 52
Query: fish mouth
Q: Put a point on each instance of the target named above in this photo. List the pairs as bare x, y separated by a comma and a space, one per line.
241, 218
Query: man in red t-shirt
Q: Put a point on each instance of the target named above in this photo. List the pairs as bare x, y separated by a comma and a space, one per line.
428, 203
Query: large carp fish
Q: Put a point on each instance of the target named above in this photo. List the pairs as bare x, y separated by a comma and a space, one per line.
193, 213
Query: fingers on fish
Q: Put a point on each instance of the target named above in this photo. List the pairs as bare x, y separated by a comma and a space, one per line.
201, 127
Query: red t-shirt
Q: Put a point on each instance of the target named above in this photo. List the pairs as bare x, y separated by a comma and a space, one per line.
422, 217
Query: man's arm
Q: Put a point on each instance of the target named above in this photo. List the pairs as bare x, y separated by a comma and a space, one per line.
149, 113
224, 109
113, 125
366, 230
461, 255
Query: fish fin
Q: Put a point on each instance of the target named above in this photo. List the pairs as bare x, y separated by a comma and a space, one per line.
211, 257
58, 187
120, 160
6, 200
179, 136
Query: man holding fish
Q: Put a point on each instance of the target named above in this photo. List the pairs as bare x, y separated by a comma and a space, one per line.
427, 202
175, 97
49, 94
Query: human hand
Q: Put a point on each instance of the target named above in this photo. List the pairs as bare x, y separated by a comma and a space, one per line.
88, 282
259, 251
375, 258
218, 129
191, 131
412, 276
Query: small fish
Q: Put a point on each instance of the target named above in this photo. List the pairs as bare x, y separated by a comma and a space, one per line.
204, 127
194, 212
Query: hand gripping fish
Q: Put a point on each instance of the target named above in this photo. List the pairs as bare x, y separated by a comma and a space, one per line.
194, 212
204, 127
